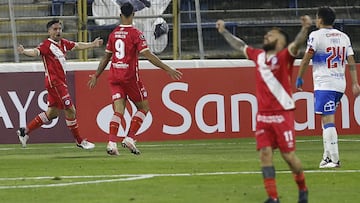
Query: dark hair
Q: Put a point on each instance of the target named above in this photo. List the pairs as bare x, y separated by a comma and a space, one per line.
327, 14
127, 9
52, 22
283, 33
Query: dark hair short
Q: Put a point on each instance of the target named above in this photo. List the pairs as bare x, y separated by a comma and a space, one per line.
127, 9
327, 14
52, 22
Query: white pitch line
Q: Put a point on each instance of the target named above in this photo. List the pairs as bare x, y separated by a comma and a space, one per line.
76, 183
131, 177
172, 145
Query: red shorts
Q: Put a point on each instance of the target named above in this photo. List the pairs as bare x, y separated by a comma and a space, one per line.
275, 129
134, 90
59, 97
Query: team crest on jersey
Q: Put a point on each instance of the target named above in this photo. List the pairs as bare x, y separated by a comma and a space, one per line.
67, 102
274, 63
274, 60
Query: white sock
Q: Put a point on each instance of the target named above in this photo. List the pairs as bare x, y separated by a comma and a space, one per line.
331, 141
326, 140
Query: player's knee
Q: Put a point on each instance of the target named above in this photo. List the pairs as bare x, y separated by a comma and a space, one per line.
52, 113
266, 156
70, 113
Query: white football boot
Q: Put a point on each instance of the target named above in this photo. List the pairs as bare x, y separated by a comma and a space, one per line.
112, 149
129, 143
86, 144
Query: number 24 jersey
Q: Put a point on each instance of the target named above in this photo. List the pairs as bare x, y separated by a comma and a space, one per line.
330, 48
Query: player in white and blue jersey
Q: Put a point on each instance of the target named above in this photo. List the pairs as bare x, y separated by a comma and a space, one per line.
330, 51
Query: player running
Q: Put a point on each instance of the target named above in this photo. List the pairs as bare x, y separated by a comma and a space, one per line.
329, 49
275, 116
53, 51
123, 47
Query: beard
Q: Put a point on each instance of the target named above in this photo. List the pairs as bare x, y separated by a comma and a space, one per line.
270, 46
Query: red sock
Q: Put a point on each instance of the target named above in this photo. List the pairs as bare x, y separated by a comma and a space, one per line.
270, 187
300, 180
136, 122
38, 121
74, 128
114, 126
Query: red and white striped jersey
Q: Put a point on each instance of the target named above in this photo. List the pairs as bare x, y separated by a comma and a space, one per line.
53, 55
273, 79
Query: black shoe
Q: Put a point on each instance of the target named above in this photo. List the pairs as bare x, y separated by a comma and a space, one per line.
271, 200
23, 137
303, 196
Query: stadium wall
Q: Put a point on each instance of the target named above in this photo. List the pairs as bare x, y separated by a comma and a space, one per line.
214, 99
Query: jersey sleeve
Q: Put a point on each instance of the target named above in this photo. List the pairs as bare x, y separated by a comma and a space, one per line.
110, 45
43, 48
311, 43
140, 42
349, 49
251, 53
68, 44
288, 56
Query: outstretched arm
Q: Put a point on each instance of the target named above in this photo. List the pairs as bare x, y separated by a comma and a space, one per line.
28, 52
102, 65
353, 75
301, 36
174, 74
86, 45
234, 41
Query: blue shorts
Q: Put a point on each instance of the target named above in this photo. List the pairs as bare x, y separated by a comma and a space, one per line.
326, 101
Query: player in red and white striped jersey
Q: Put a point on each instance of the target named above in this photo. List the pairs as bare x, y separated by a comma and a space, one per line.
53, 51
275, 116
124, 45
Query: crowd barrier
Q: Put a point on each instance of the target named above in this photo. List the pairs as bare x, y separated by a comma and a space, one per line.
214, 99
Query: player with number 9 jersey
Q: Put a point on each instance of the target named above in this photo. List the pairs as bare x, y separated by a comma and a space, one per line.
124, 45
125, 42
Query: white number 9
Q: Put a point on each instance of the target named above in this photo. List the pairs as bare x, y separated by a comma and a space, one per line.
120, 49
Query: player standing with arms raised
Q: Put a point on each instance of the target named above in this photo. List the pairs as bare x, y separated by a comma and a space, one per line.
124, 45
329, 49
53, 51
275, 116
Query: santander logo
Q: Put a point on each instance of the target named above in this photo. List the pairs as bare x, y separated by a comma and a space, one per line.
105, 114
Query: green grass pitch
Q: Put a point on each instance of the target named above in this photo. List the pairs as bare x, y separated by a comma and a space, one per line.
209, 171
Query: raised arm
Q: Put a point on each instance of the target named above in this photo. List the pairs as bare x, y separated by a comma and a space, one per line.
28, 52
174, 74
86, 45
234, 41
301, 36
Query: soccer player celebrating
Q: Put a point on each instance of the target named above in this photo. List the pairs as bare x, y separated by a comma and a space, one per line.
275, 116
123, 47
328, 48
53, 51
